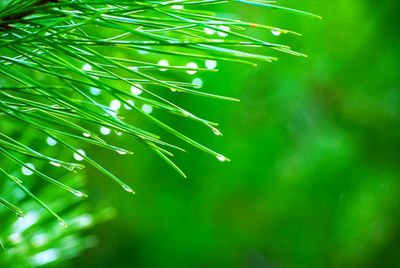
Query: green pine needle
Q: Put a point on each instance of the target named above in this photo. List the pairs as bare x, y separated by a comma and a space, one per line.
62, 62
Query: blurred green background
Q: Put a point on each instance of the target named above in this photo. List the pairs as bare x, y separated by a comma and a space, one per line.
315, 174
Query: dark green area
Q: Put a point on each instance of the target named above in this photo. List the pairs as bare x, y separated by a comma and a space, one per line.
314, 177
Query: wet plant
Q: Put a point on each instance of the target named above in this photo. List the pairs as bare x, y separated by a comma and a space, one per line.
73, 72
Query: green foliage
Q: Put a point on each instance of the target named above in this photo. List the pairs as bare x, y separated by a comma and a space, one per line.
314, 178
35, 239
72, 69
54, 55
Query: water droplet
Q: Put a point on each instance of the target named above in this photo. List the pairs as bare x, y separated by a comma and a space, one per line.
79, 155
143, 52
63, 224
105, 130
197, 82
78, 193
209, 31
27, 169
147, 108
186, 113
211, 64
192, 65
50, 141
216, 131
133, 68
118, 133
115, 105
225, 29
136, 89
129, 107
20, 216
177, 7
121, 152
85, 134
221, 158
56, 164
87, 67
276, 32
173, 89
163, 63
128, 188
95, 91
112, 113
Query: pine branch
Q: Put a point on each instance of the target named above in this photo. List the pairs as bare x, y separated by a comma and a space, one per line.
35, 239
61, 62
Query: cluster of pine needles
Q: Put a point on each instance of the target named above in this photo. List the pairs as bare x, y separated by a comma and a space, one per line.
62, 61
